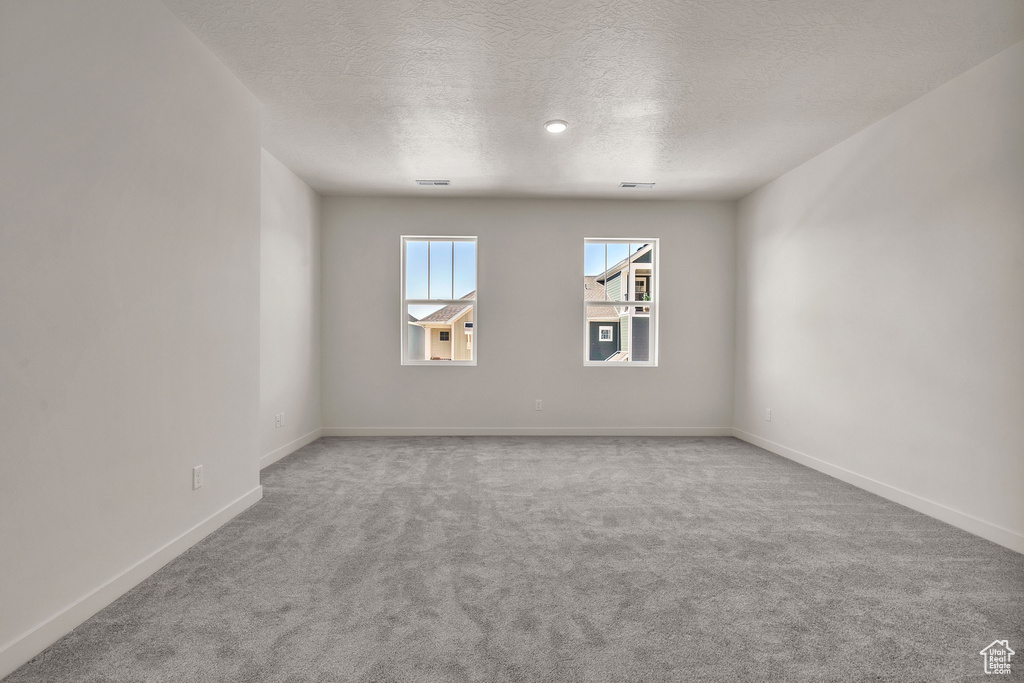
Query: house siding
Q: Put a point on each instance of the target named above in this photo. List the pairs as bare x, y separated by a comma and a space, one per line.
641, 339
417, 343
600, 350
439, 349
460, 338
613, 288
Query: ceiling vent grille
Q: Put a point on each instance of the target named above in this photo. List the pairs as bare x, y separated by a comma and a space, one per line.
442, 183
640, 186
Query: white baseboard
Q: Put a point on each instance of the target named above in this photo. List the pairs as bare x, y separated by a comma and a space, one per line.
289, 448
531, 431
979, 527
27, 646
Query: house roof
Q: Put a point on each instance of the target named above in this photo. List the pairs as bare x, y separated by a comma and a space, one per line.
594, 291
448, 313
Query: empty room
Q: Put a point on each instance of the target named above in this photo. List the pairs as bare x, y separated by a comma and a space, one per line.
559, 341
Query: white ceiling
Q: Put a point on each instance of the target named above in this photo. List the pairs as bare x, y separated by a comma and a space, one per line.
706, 98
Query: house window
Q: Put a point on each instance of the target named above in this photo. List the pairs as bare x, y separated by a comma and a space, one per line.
438, 300
620, 302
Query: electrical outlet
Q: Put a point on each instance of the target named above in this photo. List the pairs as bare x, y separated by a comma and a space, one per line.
537, 405
197, 477
278, 420
767, 414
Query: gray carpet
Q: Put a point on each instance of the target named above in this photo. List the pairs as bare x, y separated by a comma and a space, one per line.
557, 560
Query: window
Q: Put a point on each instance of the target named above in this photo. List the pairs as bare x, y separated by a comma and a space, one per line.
438, 300
620, 305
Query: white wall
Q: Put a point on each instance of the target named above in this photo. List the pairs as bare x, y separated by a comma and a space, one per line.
289, 312
530, 320
129, 305
880, 305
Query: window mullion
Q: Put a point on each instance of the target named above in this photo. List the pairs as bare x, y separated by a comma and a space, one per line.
432, 302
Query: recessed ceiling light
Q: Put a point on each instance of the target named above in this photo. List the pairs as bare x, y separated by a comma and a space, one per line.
443, 183
556, 126
641, 186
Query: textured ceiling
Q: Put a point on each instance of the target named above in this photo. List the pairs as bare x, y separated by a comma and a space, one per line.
706, 98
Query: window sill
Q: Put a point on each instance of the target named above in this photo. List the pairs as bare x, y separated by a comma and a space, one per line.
618, 364
441, 363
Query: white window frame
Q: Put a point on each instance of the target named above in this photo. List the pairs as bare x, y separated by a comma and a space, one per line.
601, 329
441, 333
406, 303
652, 290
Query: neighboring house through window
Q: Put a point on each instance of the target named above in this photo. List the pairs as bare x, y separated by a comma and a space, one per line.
438, 300
620, 301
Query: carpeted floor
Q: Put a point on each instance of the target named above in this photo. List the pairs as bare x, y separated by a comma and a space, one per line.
556, 560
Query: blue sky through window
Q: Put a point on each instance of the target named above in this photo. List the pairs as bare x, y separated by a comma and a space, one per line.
465, 268
452, 269
416, 270
594, 262
441, 270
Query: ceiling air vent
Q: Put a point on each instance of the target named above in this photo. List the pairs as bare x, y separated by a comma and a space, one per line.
643, 186
443, 183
